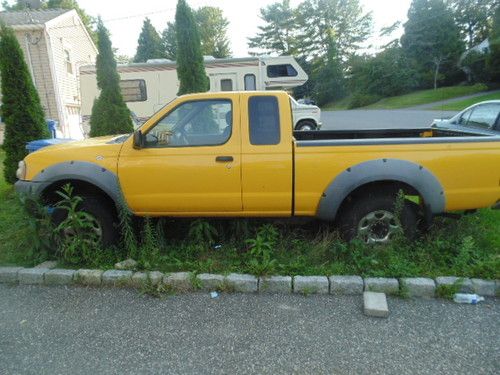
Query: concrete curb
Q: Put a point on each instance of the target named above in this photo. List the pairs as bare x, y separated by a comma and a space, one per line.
184, 282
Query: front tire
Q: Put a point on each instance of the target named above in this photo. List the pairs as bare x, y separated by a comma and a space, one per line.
306, 125
103, 219
373, 219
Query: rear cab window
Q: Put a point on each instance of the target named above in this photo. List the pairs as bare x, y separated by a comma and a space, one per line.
264, 120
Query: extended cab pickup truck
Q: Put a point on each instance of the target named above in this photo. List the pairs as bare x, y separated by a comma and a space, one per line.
234, 154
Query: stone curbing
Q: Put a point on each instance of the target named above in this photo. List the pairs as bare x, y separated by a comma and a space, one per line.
182, 282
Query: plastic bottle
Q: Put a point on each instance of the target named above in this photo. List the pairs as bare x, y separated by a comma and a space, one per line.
472, 299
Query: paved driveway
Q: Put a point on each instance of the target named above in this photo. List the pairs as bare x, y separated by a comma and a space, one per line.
380, 118
97, 331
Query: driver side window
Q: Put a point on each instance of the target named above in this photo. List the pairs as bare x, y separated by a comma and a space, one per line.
194, 123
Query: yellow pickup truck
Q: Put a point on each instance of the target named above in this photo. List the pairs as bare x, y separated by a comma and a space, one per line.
234, 154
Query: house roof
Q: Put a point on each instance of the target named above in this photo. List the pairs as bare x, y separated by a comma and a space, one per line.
32, 17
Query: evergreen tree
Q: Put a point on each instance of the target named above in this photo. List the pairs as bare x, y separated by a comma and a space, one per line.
110, 114
169, 41
493, 59
22, 112
432, 40
149, 45
190, 67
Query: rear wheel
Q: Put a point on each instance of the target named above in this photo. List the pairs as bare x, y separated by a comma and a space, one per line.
102, 218
373, 218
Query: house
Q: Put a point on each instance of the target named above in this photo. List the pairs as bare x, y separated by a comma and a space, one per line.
55, 44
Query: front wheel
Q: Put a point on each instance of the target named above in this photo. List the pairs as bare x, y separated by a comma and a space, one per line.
101, 216
305, 126
374, 219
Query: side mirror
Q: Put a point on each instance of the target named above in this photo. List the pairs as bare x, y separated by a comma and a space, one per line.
138, 140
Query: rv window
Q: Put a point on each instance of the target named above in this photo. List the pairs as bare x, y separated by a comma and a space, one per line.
264, 120
226, 85
283, 70
250, 82
134, 90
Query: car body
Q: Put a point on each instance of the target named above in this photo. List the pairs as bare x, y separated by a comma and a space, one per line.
235, 154
306, 117
482, 117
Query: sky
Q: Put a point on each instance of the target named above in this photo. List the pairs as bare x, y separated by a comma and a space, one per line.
124, 18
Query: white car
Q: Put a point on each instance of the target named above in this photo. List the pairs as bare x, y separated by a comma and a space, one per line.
306, 117
482, 117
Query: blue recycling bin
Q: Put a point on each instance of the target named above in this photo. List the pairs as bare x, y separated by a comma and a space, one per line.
41, 143
52, 125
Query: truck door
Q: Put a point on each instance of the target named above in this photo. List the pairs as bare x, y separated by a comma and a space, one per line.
190, 163
267, 161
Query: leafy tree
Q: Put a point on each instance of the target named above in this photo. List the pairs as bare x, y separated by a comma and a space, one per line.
432, 39
190, 67
328, 78
149, 43
474, 19
87, 20
22, 112
279, 34
169, 41
110, 114
474, 65
324, 22
493, 59
388, 73
213, 29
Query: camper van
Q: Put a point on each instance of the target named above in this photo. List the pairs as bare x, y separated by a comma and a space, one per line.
147, 87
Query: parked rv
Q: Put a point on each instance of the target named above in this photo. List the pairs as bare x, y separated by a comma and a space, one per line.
146, 87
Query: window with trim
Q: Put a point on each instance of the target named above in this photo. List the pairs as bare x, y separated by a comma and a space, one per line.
67, 61
482, 116
193, 123
264, 120
226, 84
250, 84
134, 90
282, 70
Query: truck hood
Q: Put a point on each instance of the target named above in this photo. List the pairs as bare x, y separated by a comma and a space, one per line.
103, 151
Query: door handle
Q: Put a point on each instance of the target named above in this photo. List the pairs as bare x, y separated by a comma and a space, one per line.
223, 159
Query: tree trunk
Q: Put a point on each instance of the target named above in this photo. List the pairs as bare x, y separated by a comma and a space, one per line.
436, 72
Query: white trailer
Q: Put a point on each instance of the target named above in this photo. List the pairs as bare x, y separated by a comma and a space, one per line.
146, 87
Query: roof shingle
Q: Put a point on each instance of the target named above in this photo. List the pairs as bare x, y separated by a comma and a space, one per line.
32, 17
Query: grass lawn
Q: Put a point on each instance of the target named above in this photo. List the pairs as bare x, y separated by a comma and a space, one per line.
466, 247
462, 104
413, 98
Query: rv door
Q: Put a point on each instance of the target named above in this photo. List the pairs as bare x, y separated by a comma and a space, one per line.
224, 82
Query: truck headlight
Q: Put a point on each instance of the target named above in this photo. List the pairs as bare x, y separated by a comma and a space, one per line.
21, 170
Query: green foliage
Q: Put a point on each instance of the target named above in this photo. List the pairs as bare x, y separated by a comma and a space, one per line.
190, 67
329, 83
213, 31
212, 26
21, 110
432, 41
76, 238
388, 73
149, 45
261, 250
169, 41
473, 18
110, 114
279, 33
447, 291
474, 64
493, 60
129, 240
362, 100
202, 233
462, 104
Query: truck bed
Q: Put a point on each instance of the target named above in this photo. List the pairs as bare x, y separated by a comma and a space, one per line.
387, 136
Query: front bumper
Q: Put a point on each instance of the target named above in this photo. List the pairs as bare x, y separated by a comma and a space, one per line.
30, 189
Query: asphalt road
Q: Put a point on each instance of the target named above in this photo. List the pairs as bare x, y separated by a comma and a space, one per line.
380, 118
87, 331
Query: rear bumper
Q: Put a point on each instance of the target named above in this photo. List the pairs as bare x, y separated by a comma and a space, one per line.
29, 189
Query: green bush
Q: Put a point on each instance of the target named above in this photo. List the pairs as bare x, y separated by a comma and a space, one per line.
362, 100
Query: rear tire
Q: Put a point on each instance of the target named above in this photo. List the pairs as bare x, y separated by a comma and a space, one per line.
102, 212
372, 218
